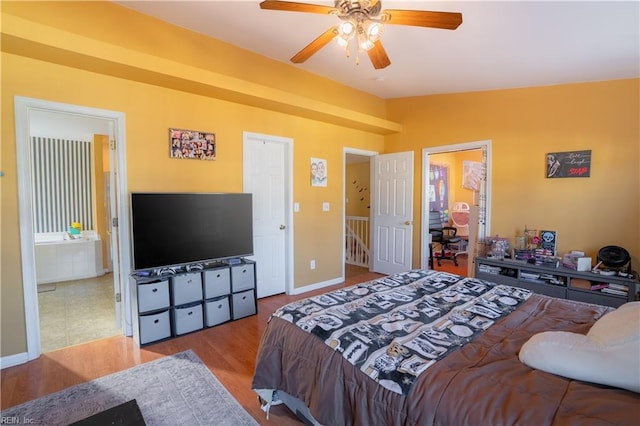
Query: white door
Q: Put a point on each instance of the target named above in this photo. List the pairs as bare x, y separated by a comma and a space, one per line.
266, 170
112, 228
392, 215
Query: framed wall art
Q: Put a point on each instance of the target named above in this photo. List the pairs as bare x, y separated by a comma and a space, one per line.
192, 144
569, 164
318, 172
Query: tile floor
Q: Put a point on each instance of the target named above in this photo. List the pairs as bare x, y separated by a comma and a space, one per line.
76, 312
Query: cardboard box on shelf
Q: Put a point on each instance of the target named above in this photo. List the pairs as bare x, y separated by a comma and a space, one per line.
577, 261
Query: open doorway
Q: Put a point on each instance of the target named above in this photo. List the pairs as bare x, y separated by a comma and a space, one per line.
74, 266
357, 211
45, 211
456, 175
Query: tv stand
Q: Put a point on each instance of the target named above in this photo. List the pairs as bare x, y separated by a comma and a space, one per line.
172, 301
560, 282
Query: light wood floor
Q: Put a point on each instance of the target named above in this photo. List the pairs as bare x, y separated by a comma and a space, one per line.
448, 266
229, 351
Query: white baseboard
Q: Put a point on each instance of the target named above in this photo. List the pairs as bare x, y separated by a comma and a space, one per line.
13, 360
316, 286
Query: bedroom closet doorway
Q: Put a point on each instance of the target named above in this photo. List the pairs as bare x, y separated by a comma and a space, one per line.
267, 170
35, 118
453, 174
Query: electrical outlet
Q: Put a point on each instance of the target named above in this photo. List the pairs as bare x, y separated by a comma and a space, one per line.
312, 264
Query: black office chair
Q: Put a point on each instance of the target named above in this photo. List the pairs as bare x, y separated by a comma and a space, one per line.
443, 235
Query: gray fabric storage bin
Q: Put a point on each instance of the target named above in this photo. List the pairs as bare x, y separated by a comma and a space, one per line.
188, 318
217, 311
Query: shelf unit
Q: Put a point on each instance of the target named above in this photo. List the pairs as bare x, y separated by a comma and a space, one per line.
559, 282
182, 301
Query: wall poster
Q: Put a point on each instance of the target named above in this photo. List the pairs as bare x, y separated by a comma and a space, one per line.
569, 164
439, 189
318, 172
471, 175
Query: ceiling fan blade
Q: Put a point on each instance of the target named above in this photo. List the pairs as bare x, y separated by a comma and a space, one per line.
378, 56
315, 45
424, 18
290, 6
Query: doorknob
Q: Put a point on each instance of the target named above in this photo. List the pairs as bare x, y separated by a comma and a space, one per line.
408, 222
282, 226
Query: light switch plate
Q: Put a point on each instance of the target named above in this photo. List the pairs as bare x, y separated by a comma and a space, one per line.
296, 207
325, 207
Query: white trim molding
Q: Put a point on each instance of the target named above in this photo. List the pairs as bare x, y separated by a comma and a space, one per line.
24, 108
13, 360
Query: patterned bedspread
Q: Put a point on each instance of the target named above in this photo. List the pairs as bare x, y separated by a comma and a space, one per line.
396, 327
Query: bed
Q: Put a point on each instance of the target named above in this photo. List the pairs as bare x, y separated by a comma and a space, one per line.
428, 347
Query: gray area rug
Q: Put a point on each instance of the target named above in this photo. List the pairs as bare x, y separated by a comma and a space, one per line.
174, 390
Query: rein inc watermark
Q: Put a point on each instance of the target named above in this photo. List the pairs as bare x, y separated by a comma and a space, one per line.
17, 420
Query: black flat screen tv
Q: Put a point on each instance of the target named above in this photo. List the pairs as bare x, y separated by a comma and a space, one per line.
171, 229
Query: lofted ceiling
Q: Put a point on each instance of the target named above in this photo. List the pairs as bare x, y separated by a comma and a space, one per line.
500, 44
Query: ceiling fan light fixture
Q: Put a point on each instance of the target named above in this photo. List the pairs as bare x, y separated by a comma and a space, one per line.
365, 44
347, 29
373, 31
369, 32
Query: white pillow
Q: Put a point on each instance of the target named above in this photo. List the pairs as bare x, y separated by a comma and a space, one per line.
609, 354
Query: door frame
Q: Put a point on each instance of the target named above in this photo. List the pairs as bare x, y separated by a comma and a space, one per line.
363, 153
288, 198
22, 107
466, 146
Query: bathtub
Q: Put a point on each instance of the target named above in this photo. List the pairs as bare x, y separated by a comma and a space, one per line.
59, 258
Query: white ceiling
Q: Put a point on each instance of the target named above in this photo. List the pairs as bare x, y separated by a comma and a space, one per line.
500, 44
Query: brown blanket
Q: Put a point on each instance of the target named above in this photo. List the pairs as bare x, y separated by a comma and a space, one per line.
482, 383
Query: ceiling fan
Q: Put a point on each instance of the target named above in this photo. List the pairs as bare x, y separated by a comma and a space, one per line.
362, 22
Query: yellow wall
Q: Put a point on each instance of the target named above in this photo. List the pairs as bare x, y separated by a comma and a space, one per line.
81, 34
119, 26
357, 189
524, 125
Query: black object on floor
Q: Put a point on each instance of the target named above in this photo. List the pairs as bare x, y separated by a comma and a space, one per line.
127, 414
